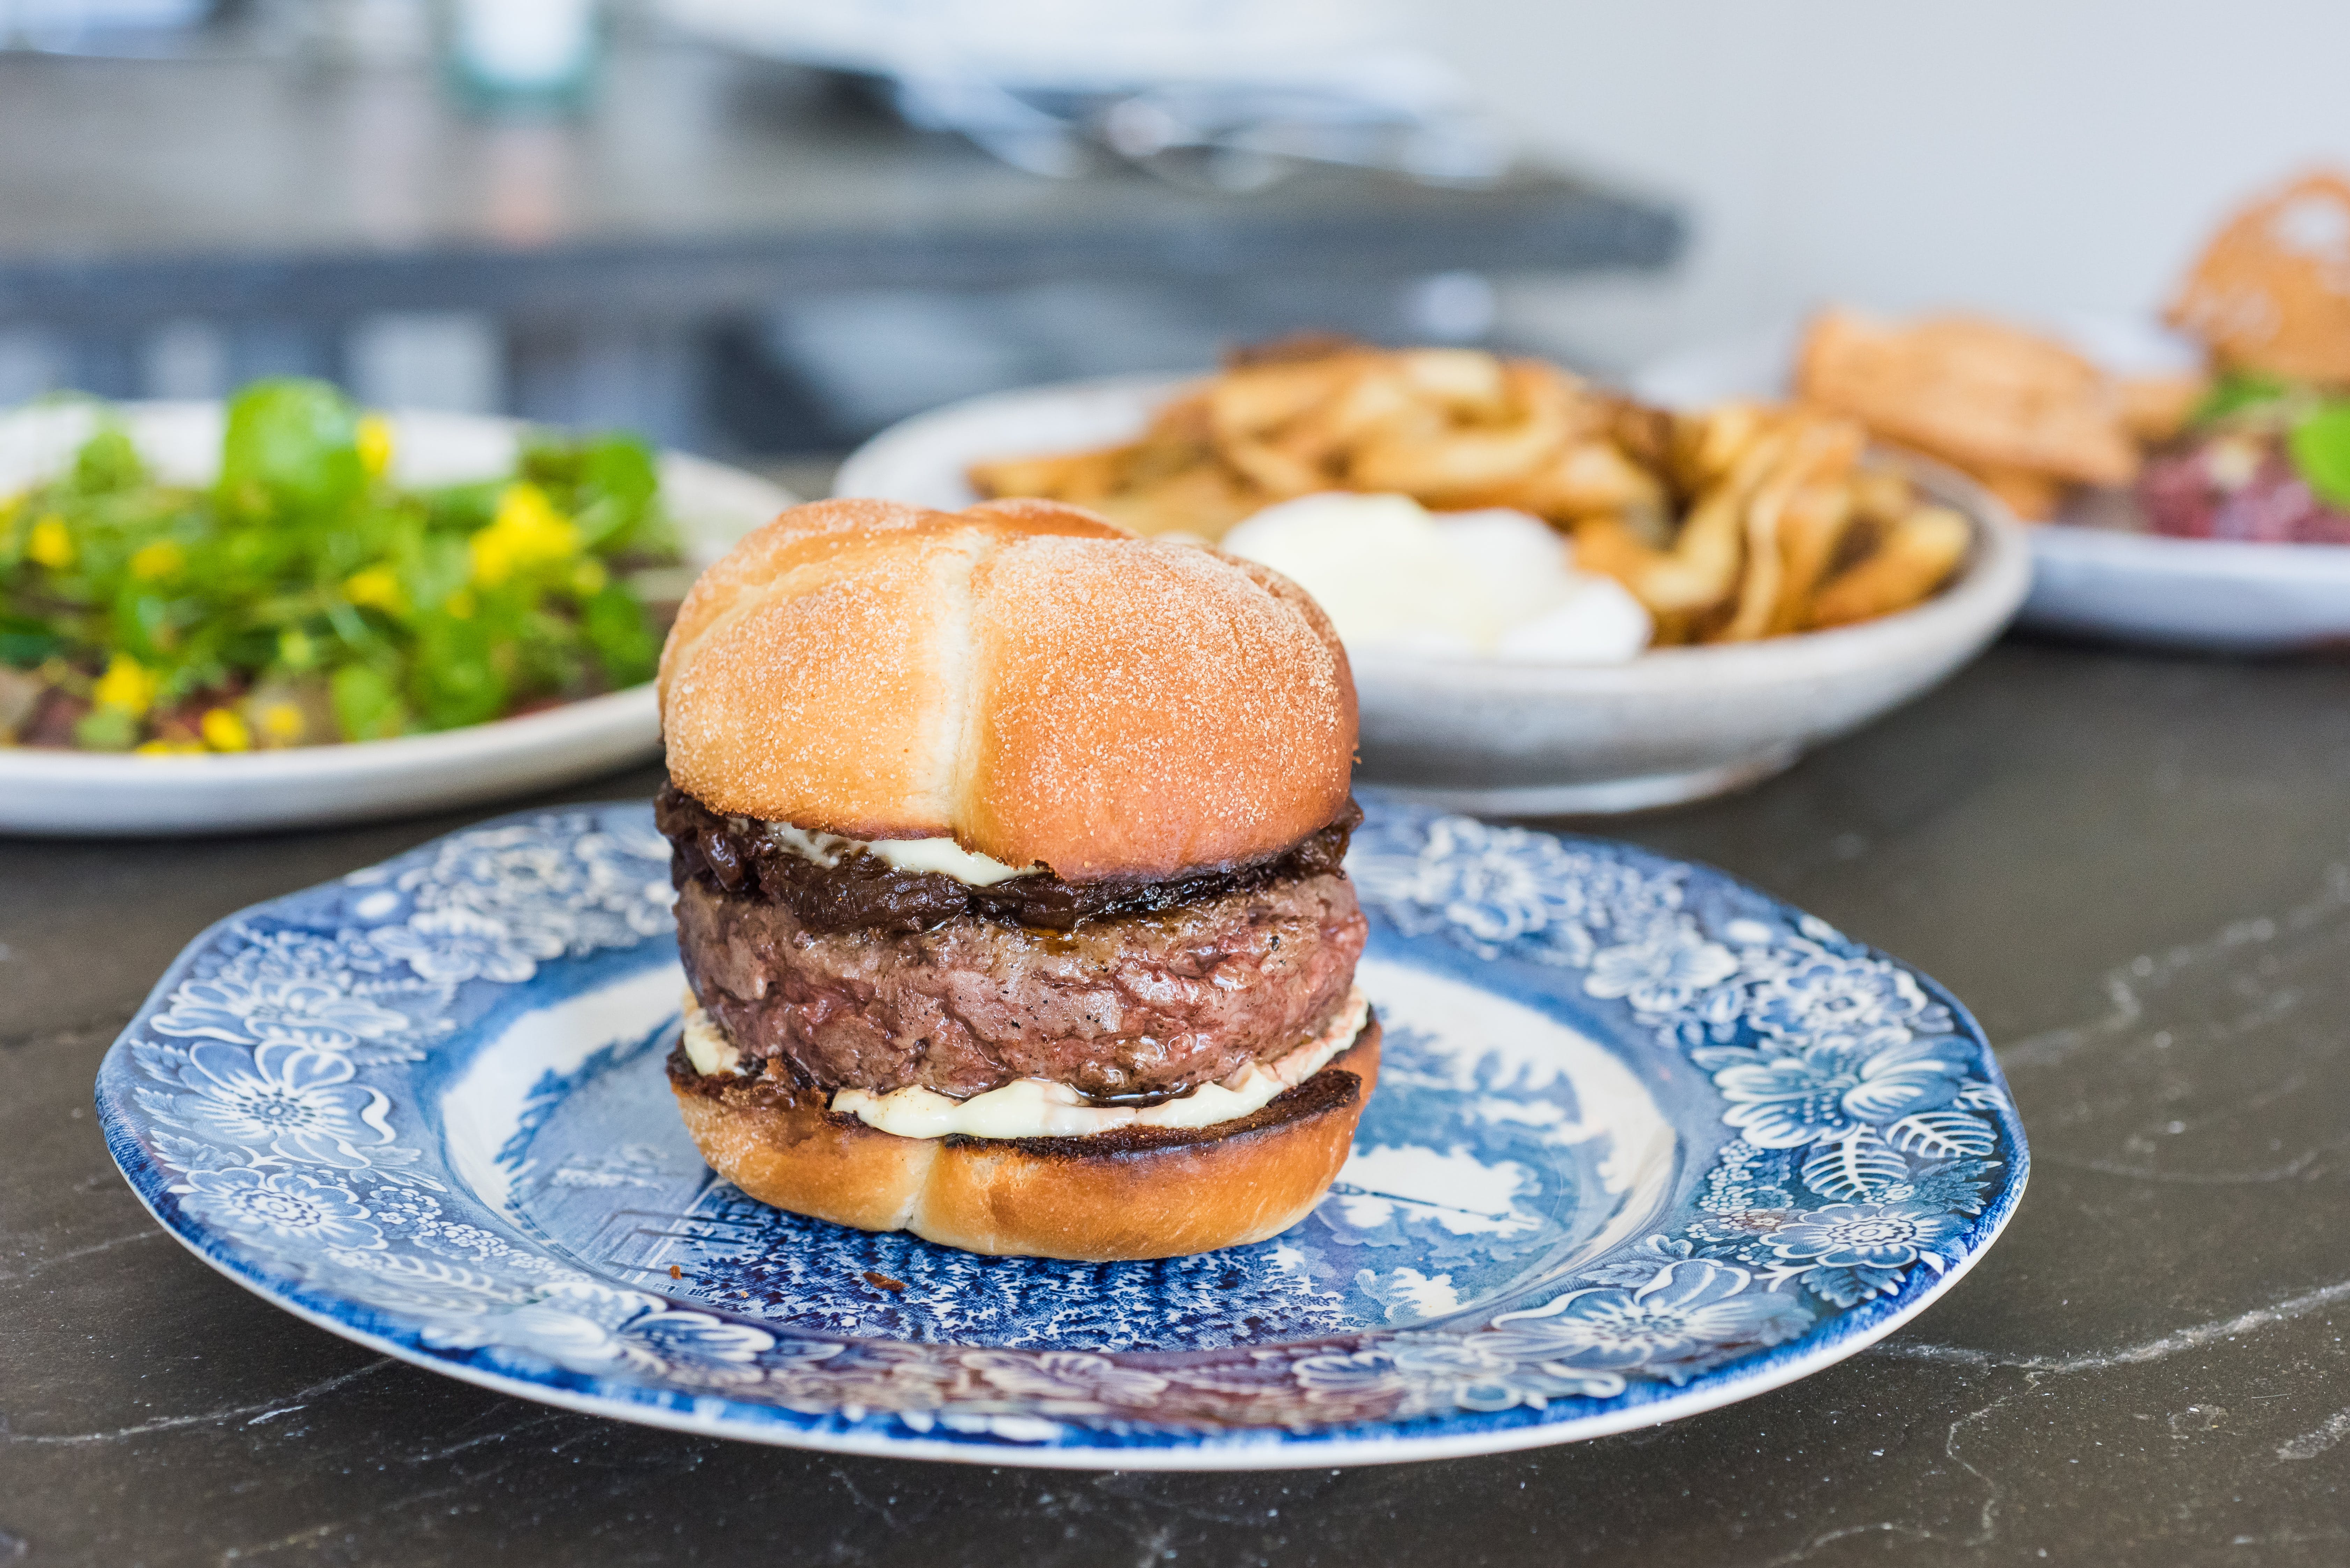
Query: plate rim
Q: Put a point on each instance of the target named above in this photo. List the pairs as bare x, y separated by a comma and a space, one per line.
1214, 1454
1851, 1330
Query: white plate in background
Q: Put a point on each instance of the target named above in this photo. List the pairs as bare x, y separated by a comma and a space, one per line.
1674, 724
2223, 595
66, 794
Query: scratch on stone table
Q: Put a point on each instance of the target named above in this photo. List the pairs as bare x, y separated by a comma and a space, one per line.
315, 1532
2159, 1349
2126, 986
2289, 1537
545, 1418
148, 1233
210, 1418
2298, 1166
1829, 1538
2309, 1444
1986, 1519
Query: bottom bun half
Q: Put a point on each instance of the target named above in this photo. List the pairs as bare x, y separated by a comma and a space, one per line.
1137, 1192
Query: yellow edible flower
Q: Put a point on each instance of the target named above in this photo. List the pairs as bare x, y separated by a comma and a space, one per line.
375, 445
282, 722
377, 586
527, 531
225, 732
169, 748
50, 544
127, 684
160, 559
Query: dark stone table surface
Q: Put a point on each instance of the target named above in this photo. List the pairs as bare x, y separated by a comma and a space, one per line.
2135, 868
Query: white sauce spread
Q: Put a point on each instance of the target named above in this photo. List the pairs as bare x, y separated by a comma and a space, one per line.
706, 1046
1036, 1107
943, 855
1492, 584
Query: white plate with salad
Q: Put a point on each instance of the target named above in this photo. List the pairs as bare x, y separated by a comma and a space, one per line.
282, 611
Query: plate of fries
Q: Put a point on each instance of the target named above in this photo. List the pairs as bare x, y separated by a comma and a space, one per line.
1798, 581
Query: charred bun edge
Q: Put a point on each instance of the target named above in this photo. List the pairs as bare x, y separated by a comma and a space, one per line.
1134, 1193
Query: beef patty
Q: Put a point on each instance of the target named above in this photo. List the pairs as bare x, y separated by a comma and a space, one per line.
1145, 1005
736, 855
859, 975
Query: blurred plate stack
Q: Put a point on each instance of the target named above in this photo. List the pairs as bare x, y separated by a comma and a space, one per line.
1230, 93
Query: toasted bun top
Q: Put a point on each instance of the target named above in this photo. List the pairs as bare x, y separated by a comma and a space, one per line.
1022, 677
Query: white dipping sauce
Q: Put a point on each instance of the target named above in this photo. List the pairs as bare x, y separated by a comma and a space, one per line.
1496, 584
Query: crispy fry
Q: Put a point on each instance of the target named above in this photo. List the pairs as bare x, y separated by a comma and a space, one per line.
1280, 474
1820, 450
1262, 397
1882, 496
1472, 460
1706, 446
1064, 476
1474, 384
1819, 518
1644, 434
1915, 558
1703, 570
1587, 479
1611, 546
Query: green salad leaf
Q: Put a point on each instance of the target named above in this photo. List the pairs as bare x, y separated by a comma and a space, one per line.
295, 443
2239, 392
2320, 445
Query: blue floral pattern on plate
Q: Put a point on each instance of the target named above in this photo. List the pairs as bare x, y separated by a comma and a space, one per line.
1645, 1141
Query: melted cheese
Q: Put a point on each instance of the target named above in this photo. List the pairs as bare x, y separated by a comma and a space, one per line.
916, 855
706, 1046
1036, 1107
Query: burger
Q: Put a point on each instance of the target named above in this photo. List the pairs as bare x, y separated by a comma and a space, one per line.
1008, 855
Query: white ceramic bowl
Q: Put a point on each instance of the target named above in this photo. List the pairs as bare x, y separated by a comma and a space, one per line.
1476, 734
74, 793
2099, 581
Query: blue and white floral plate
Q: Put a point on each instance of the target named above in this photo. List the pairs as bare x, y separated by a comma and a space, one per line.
1646, 1142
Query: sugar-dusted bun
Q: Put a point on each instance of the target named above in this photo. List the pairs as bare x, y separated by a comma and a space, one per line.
1022, 677
1140, 1192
